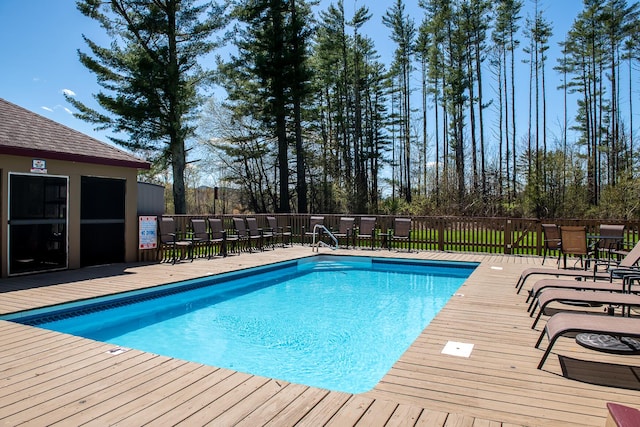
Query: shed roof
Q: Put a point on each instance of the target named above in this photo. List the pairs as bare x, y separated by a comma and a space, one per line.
25, 133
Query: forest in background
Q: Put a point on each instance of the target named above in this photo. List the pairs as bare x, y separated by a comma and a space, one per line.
312, 120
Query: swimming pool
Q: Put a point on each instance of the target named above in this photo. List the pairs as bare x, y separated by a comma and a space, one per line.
336, 322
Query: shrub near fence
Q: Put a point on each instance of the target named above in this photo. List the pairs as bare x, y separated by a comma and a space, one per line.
515, 236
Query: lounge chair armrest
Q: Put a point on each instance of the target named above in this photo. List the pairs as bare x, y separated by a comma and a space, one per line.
623, 272
632, 278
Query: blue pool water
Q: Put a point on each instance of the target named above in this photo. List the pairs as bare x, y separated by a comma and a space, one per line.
333, 322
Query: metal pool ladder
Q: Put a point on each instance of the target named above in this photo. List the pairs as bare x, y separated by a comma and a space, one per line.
316, 245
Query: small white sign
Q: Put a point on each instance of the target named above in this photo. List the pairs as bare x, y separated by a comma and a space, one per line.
459, 349
39, 166
147, 226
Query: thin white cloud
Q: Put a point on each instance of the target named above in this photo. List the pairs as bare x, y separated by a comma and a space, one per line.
68, 92
57, 107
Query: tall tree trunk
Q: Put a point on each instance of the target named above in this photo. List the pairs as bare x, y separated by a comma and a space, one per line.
510, 190
501, 117
483, 170
178, 153
631, 151
406, 91
472, 119
513, 115
301, 179
437, 139
358, 158
424, 89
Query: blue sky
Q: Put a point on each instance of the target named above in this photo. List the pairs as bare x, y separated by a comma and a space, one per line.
39, 40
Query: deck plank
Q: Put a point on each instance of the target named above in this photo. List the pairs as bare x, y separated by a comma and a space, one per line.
161, 388
226, 402
202, 401
96, 401
298, 408
351, 412
268, 410
404, 416
378, 413
50, 377
143, 413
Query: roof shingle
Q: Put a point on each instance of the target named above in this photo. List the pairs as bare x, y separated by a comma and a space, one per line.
25, 133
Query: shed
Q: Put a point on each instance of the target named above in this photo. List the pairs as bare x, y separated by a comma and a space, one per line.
68, 200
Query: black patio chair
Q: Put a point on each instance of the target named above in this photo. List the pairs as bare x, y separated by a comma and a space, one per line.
172, 239
366, 230
345, 230
309, 233
401, 233
279, 232
219, 236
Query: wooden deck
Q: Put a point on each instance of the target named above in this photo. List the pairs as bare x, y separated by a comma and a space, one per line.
52, 378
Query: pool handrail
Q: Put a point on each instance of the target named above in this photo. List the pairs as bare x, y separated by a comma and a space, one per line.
315, 246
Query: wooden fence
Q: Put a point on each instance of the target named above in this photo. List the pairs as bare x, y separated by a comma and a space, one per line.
515, 236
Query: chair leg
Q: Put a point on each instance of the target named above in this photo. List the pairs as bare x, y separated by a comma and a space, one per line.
547, 351
535, 322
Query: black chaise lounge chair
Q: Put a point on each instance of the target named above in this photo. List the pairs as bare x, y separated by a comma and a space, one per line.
583, 297
628, 262
580, 285
569, 323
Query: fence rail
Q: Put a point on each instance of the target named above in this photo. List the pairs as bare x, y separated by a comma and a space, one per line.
515, 236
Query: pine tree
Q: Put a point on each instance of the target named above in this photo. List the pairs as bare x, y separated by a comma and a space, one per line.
267, 80
150, 75
403, 33
504, 35
437, 14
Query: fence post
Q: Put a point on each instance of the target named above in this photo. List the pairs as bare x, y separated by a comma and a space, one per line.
441, 235
508, 238
539, 239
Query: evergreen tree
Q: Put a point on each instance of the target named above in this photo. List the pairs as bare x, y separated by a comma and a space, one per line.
151, 75
403, 33
268, 81
619, 25
505, 33
475, 23
437, 14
